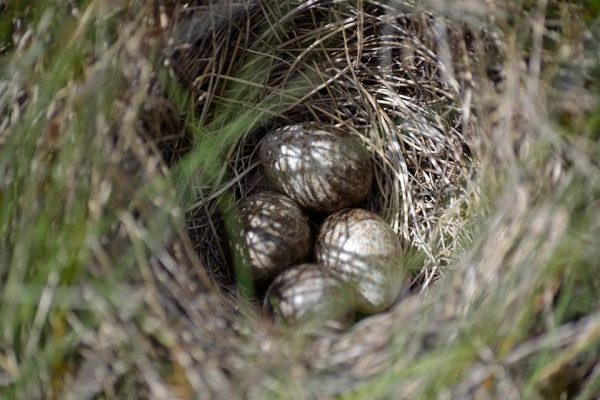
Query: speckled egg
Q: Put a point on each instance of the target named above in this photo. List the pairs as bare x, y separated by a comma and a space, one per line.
307, 291
273, 234
359, 247
321, 168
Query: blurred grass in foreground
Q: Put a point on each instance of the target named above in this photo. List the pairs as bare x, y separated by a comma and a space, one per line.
80, 219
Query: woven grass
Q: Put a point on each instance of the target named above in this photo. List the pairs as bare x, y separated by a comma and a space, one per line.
127, 131
374, 72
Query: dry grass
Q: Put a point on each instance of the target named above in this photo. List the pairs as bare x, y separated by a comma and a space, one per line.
116, 167
372, 71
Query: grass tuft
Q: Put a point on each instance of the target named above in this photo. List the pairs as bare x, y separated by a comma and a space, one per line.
127, 131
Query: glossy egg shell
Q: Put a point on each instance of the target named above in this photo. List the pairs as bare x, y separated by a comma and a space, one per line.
362, 249
273, 234
321, 168
308, 290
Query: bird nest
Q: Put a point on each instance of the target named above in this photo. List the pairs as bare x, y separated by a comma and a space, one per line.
387, 75
129, 130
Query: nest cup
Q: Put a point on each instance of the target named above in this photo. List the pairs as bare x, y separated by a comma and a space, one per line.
379, 79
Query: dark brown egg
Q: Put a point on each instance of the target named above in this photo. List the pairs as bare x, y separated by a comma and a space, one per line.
307, 291
273, 234
321, 168
359, 247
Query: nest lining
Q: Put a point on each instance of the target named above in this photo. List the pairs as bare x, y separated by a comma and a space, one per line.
376, 73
